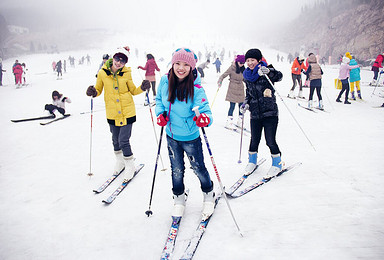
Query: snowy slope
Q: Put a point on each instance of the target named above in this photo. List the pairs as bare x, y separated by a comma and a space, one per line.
330, 207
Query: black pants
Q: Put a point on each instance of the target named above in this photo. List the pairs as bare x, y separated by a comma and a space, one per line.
269, 124
201, 71
51, 108
312, 90
344, 87
297, 78
153, 83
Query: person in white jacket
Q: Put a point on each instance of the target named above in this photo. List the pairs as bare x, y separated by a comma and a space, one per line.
58, 101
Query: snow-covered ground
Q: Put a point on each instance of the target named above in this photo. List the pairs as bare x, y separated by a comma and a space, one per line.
329, 208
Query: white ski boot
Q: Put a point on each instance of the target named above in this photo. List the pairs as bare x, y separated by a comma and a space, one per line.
291, 94
276, 167
252, 162
240, 121
300, 94
178, 205
321, 105
229, 123
130, 168
310, 104
208, 204
119, 165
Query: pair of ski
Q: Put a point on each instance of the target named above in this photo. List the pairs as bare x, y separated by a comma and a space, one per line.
42, 118
119, 189
233, 193
312, 109
237, 129
194, 241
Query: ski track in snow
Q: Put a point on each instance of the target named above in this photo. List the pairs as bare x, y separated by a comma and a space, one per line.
329, 208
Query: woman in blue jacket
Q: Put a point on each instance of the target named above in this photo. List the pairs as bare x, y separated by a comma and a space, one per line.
354, 77
178, 93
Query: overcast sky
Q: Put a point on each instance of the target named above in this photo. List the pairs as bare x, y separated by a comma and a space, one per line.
213, 16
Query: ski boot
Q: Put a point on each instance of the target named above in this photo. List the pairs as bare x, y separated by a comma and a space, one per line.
130, 168
229, 123
119, 165
208, 204
359, 94
276, 167
353, 95
252, 162
179, 204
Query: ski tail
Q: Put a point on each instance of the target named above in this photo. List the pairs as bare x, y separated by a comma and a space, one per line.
32, 119
263, 181
172, 235
122, 186
196, 237
56, 119
240, 181
107, 182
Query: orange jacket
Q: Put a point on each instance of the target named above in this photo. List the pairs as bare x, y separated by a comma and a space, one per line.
297, 67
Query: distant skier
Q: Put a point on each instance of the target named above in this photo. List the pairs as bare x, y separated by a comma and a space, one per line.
18, 72
377, 65
297, 68
58, 103
1, 71
354, 77
314, 73
201, 68
24, 74
150, 67
235, 93
343, 77
58, 69
217, 63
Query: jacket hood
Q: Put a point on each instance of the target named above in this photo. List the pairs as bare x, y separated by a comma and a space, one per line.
312, 59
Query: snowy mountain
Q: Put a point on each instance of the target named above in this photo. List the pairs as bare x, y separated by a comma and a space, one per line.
331, 207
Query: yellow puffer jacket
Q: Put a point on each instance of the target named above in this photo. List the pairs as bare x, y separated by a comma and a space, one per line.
118, 91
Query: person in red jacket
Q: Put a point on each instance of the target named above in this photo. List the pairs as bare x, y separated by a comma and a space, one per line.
298, 67
17, 71
377, 65
150, 68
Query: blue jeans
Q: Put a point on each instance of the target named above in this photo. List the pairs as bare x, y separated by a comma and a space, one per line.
194, 152
232, 108
120, 138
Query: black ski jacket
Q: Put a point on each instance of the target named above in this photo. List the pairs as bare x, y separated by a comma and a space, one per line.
259, 105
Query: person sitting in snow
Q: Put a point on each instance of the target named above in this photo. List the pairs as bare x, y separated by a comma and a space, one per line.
58, 103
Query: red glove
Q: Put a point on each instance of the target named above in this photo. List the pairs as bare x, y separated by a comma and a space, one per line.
202, 120
161, 120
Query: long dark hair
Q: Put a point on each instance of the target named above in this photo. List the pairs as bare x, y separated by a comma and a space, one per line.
150, 57
182, 90
238, 68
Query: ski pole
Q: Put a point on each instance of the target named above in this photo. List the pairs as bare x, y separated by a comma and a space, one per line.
270, 82
153, 123
154, 129
377, 82
241, 137
149, 211
90, 142
217, 91
196, 110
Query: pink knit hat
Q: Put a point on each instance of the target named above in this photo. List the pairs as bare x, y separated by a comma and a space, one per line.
185, 55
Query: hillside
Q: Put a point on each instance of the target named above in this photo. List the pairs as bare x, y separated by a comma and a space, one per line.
331, 28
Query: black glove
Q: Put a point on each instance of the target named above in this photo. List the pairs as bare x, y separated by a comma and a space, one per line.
91, 91
145, 85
